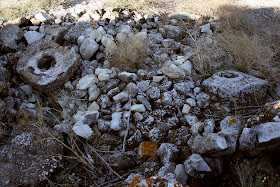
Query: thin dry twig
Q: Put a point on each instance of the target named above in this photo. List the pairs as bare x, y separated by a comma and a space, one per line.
104, 161
128, 126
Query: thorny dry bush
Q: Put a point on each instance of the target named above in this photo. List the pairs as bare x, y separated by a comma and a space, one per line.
130, 53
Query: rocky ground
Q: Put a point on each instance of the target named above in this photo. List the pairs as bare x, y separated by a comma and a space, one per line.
70, 118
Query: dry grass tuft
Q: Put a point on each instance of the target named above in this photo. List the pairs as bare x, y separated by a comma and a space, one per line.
130, 4
243, 36
130, 53
17, 9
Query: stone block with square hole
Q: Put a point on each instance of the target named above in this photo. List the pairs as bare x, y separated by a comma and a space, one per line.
46, 66
236, 87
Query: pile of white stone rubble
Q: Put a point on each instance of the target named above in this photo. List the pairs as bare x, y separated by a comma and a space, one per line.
165, 114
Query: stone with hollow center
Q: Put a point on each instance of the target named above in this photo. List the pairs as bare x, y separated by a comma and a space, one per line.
46, 66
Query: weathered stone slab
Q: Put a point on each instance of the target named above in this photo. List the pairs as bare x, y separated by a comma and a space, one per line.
236, 87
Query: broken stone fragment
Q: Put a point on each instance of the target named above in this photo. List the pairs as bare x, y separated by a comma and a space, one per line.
85, 82
82, 129
116, 123
46, 66
181, 174
88, 48
127, 77
9, 38
172, 71
167, 153
42, 17
138, 108
196, 166
147, 149
231, 123
33, 36
120, 161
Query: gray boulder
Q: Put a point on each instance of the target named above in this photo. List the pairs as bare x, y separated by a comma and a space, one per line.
196, 166
9, 38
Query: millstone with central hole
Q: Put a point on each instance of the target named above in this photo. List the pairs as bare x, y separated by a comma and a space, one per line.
46, 66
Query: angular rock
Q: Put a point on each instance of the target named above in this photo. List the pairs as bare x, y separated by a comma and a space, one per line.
167, 152
47, 66
231, 123
267, 132
10, 36
88, 48
210, 144
93, 92
166, 169
82, 130
153, 92
147, 149
236, 87
33, 36
127, 77
104, 101
203, 100
85, 82
196, 166
42, 17
184, 87
181, 174
172, 71
110, 85
4, 81
121, 97
120, 161
116, 123
248, 139
138, 108
144, 101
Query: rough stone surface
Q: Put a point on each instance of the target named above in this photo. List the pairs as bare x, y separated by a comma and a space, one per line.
33, 36
167, 152
47, 66
9, 37
236, 87
88, 48
29, 156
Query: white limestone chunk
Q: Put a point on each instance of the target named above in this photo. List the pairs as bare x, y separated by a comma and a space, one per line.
85, 82
186, 109
138, 108
116, 121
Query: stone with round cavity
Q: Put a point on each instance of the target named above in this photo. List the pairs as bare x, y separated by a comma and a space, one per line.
47, 66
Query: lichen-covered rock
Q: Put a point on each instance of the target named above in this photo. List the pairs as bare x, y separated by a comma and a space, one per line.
30, 156
47, 66
147, 149
167, 152
231, 123
210, 144
9, 38
4, 81
120, 161
196, 166
236, 87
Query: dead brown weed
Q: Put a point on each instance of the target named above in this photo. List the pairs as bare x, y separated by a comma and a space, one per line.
130, 53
